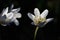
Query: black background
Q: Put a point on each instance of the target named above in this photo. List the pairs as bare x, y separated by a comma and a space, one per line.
25, 31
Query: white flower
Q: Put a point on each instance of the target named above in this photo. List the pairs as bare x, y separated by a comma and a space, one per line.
39, 19
10, 16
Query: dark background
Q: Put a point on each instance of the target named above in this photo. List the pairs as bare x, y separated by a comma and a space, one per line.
25, 31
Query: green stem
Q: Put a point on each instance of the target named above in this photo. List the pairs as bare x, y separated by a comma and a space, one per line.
35, 32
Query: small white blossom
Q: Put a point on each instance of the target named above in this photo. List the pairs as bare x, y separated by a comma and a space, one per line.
39, 19
8, 16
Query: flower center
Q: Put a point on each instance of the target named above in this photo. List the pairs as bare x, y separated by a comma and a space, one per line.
38, 20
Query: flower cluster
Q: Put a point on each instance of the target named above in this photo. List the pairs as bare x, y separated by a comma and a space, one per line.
9, 15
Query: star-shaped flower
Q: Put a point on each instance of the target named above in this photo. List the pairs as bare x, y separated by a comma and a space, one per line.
39, 19
8, 16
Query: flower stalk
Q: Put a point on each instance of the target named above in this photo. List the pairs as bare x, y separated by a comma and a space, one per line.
36, 30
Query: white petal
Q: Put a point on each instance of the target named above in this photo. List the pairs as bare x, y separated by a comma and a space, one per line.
49, 19
37, 12
17, 15
5, 11
12, 6
10, 15
31, 16
16, 22
44, 13
16, 10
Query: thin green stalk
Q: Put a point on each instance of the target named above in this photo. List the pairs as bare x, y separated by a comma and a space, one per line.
35, 32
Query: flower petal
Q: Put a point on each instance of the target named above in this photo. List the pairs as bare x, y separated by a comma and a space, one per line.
37, 12
49, 19
31, 16
10, 15
16, 10
44, 13
16, 22
12, 6
17, 15
5, 11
